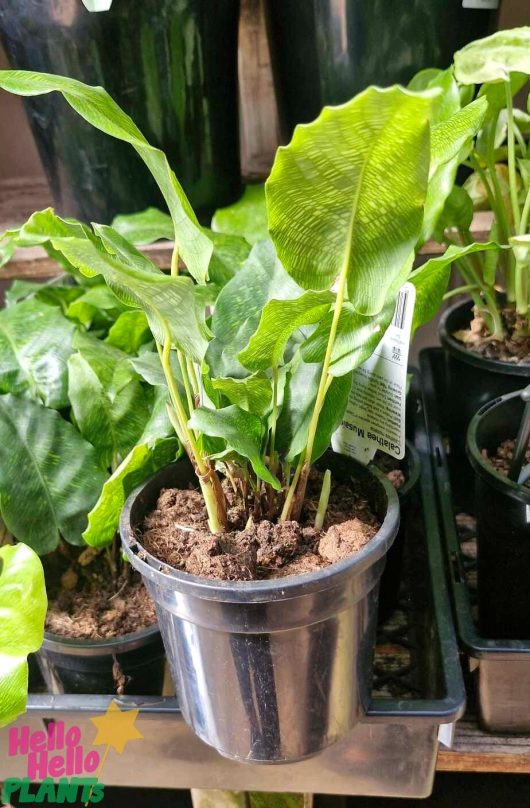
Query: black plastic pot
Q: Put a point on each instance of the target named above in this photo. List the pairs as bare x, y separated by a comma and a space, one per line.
275, 670
392, 573
471, 381
83, 666
324, 52
171, 65
503, 525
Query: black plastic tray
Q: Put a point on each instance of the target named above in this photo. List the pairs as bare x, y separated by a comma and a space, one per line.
418, 687
502, 667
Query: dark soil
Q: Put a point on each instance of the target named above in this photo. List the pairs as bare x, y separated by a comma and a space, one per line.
176, 533
514, 349
503, 457
87, 601
392, 468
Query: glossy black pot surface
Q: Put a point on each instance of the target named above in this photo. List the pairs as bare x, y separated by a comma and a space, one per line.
171, 65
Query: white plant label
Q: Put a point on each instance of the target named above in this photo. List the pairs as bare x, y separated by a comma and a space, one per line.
486, 5
375, 415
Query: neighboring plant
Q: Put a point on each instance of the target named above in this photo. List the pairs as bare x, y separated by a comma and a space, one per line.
23, 609
500, 181
257, 390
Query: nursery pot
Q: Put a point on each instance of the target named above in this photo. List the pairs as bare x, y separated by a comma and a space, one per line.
392, 573
471, 381
91, 666
325, 52
171, 65
503, 526
276, 670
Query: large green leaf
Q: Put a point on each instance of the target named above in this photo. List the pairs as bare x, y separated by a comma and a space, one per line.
35, 343
457, 212
144, 227
96, 106
239, 306
242, 431
348, 193
279, 320
49, 475
494, 57
141, 463
432, 277
246, 218
112, 421
22, 613
298, 404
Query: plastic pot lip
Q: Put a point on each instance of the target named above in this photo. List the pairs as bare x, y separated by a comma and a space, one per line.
113, 645
275, 589
460, 352
485, 469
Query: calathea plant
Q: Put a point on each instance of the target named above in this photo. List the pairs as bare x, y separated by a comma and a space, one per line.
256, 391
499, 181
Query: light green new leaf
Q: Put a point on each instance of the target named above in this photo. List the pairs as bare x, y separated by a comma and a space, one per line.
447, 102
96, 106
111, 421
348, 193
35, 343
298, 404
246, 218
49, 475
494, 57
23, 606
168, 302
7, 251
239, 306
229, 255
279, 320
96, 307
242, 431
129, 332
253, 394
432, 277
139, 465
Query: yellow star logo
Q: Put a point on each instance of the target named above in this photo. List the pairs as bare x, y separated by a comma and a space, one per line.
116, 728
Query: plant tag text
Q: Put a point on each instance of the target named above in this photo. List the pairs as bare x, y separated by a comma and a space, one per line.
375, 415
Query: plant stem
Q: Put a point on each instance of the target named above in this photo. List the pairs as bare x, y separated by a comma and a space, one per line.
274, 418
323, 501
511, 158
186, 381
286, 511
460, 290
212, 491
175, 261
523, 225
194, 380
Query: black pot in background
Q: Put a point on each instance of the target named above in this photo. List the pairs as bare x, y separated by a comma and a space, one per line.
472, 381
503, 526
392, 573
85, 666
171, 65
324, 52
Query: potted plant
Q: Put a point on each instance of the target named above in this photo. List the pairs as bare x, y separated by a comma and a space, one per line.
502, 499
486, 337
256, 391
79, 429
23, 607
173, 66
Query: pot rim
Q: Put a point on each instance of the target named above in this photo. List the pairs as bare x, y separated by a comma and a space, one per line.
112, 645
458, 350
274, 589
481, 465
